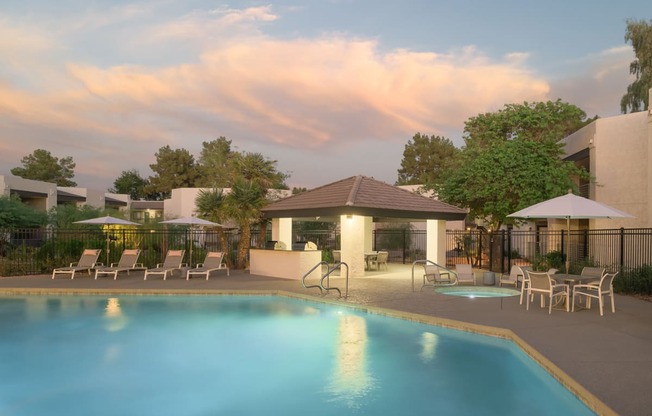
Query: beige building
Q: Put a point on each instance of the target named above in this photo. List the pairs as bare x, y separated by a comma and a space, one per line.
45, 196
617, 151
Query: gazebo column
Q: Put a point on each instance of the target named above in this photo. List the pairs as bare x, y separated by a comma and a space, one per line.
282, 231
353, 240
436, 241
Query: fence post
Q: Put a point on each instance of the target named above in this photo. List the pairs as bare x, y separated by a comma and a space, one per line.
562, 248
480, 249
622, 247
509, 251
404, 245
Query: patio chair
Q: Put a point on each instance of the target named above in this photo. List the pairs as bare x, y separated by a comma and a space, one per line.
511, 278
522, 277
542, 283
381, 258
86, 263
214, 261
598, 290
465, 273
173, 261
434, 276
596, 272
128, 261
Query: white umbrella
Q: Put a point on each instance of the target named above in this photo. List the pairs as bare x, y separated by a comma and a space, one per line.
108, 220
192, 221
569, 207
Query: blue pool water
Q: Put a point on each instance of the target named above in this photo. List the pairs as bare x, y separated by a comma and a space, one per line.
477, 292
248, 355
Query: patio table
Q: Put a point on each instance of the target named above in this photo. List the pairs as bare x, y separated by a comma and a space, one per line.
572, 280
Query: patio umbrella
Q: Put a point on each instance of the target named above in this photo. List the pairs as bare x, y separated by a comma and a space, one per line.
108, 220
569, 207
192, 222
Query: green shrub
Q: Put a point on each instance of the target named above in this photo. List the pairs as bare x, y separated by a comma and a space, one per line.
635, 281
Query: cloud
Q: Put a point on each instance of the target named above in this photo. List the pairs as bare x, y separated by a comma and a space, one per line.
596, 82
314, 94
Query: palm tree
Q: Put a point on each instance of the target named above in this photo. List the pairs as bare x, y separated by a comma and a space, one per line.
243, 205
211, 205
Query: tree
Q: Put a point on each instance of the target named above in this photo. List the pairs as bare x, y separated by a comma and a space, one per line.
243, 204
506, 177
550, 121
424, 158
130, 182
214, 163
258, 169
173, 169
15, 214
211, 205
512, 159
42, 166
639, 33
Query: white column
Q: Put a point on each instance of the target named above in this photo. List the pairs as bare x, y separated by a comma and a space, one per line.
436, 241
282, 231
368, 233
352, 229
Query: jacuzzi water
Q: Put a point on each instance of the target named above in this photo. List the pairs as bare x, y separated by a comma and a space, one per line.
248, 355
477, 292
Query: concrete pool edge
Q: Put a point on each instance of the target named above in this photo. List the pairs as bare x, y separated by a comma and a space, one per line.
590, 400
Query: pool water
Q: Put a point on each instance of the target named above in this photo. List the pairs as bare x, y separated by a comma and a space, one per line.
250, 355
477, 292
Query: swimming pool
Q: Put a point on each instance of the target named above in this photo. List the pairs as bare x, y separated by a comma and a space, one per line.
477, 292
254, 355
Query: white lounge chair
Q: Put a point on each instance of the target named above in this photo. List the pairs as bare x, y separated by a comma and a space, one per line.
128, 261
434, 276
86, 263
214, 261
173, 261
598, 290
511, 278
543, 284
465, 273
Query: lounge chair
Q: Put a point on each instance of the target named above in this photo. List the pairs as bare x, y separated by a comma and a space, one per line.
434, 276
381, 258
173, 261
598, 290
543, 284
86, 263
128, 261
465, 273
214, 261
511, 278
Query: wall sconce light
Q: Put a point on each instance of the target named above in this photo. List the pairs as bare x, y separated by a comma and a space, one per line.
349, 217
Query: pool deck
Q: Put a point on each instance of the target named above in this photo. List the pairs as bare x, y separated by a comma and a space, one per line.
610, 356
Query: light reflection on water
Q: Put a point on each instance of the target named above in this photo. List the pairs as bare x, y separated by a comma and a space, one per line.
351, 379
429, 346
115, 319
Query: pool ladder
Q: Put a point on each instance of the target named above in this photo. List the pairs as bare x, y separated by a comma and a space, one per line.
326, 277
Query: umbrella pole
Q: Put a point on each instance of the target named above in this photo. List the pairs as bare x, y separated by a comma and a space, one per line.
567, 244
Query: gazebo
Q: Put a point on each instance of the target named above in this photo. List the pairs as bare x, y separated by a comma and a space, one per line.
357, 202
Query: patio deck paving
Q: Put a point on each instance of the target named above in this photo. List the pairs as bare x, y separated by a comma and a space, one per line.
611, 356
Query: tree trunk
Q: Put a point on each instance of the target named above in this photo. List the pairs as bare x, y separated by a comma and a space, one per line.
243, 246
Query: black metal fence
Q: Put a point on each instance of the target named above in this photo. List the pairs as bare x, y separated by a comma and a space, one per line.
35, 251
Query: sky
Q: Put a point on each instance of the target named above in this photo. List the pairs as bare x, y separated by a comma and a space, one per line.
329, 89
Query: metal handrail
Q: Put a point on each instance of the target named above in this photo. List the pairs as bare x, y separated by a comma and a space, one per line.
303, 279
326, 276
434, 264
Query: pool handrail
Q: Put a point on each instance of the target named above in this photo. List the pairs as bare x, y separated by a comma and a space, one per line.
426, 262
326, 276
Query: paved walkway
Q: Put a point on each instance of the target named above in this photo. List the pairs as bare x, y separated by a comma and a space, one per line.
611, 356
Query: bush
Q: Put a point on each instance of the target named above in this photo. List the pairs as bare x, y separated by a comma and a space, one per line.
635, 281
